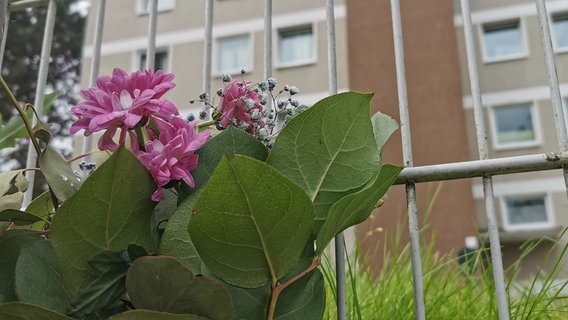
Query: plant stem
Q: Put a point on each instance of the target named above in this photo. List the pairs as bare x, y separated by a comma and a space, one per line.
29, 129
276, 290
204, 124
22, 113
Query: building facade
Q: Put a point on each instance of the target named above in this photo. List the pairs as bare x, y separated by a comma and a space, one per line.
511, 68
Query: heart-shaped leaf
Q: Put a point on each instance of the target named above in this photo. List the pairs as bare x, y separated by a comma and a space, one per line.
176, 241
154, 315
24, 311
329, 150
356, 207
303, 299
112, 209
164, 284
58, 174
383, 127
20, 218
11, 244
241, 219
6, 179
329, 147
38, 280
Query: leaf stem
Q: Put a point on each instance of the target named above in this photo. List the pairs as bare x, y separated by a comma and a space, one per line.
29, 129
276, 290
22, 113
204, 124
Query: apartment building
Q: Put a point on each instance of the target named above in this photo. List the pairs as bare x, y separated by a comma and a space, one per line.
517, 107
519, 114
513, 82
299, 50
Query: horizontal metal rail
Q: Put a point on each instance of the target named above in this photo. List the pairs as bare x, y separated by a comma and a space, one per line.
480, 168
25, 4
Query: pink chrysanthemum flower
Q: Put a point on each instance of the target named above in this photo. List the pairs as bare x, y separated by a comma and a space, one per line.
172, 156
240, 106
123, 101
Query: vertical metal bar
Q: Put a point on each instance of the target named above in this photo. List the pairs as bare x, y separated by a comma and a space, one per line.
555, 96
95, 65
493, 230
38, 102
267, 39
207, 48
4, 18
152, 27
340, 280
408, 162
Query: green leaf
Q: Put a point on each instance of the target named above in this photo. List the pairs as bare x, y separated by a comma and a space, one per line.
58, 174
249, 303
329, 150
11, 244
21, 182
250, 223
41, 131
11, 201
176, 241
303, 299
18, 217
6, 179
228, 142
329, 147
110, 285
154, 315
383, 127
15, 127
42, 207
356, 207
164, 284
38, 280
24, 311
112, 209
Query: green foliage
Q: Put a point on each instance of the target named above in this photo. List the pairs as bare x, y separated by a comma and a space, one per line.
111, 210
24, 311
253, 222
164, 284
245, 243
58, 174
15, 127
176, 241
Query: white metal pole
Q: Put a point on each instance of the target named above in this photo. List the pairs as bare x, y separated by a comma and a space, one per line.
40, 91
413, 223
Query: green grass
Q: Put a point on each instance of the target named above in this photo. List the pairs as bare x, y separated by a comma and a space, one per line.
450, 293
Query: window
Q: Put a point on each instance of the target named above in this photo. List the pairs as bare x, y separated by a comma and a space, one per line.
514, 126
560, 31
296, 46
160, 60
503, 41
234, 54
526, 212
163, 5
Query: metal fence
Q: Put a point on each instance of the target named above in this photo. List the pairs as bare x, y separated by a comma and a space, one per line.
484, 168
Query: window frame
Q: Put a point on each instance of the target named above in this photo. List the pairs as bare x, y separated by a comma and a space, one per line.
548, 206
552, 16
295, 28
137, 60
535, 117
216, 52
141, 4
509, 57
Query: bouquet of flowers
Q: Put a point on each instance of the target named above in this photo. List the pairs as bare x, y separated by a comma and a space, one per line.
186, 219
